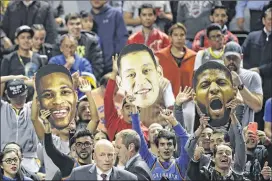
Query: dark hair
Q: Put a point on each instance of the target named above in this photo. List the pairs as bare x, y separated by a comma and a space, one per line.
212, 27
176, 26
146, 6
18, 175
219, 7
13, 143
72, 141
104, 80
130, 136
72, 16
166, 135
83, 132
49, 69
101, 131
134, 48
211, 65
37, 27
85, 14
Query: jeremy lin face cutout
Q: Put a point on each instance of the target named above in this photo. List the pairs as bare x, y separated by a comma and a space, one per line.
139, 75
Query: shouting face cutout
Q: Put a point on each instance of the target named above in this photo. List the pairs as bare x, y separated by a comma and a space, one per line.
55, 92
139, 74
213, 90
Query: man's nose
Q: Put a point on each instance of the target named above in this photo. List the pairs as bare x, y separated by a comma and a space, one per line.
214, 89
58, 100
139, 78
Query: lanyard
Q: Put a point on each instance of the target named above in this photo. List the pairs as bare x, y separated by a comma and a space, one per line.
21, 60
214, 55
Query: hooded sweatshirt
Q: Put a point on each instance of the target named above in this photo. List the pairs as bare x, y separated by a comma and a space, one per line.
112, 31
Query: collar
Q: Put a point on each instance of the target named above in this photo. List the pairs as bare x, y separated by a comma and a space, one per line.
266, 32
7, 178
99, 172
224, 29
27, 4
131, 159
102, 10
214, 55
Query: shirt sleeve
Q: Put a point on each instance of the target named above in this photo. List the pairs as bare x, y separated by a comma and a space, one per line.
240, 8
168, 96
267, 111
128, 7
256, 84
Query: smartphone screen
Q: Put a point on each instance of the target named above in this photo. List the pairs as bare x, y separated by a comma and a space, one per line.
253, 126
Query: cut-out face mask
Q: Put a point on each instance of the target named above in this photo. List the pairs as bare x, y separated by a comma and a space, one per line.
212, 92
139, 77
56, 93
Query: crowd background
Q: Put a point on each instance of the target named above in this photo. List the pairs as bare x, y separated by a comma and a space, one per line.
84, 37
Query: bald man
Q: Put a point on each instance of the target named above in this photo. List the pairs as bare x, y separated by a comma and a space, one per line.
103, 169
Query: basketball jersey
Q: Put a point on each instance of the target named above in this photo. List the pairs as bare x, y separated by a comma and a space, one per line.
172, 172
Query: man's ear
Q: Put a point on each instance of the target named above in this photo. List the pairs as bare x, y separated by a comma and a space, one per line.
131, 147
119, 81
159, 70
16, 41
194, 96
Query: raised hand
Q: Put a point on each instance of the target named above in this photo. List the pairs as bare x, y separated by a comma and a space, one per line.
114, 63
85, 86
204, 121
232, 105
44, 115
266, 171
199, 151
184, 95
75, 78
236, 79
129, 98
168, 115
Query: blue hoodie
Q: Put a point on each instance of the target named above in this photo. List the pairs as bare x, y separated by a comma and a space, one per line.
112, 31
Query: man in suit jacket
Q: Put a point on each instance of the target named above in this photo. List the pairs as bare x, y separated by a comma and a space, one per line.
127, 145
104, 157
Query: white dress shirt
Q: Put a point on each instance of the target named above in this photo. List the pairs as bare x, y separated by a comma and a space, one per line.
99, 172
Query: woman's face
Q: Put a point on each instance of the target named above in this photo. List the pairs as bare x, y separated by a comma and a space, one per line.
99, 136
10, 164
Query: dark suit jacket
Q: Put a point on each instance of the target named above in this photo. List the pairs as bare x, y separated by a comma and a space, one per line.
88, 172
139, 168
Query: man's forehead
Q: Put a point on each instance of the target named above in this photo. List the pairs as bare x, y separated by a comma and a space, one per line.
143, 59
211, 74
223, 148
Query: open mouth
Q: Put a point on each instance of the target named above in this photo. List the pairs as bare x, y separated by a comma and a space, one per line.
224, 160
61, 113
13, 168
167, 153
216, 106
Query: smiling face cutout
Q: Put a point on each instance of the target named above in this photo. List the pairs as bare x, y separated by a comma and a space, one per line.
213, 90
139, 77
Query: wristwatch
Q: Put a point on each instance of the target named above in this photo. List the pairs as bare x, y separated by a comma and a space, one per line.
241, 87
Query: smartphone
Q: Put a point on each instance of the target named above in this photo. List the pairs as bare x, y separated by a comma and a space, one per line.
253, 126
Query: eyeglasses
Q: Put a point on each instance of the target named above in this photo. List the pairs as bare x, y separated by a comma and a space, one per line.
9, 160
215, 37
87, 144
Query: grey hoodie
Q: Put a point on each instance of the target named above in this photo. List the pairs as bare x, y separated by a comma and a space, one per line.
195, 15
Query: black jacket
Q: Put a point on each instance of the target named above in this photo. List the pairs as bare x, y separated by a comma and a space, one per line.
39, 12
139, 168
89, 48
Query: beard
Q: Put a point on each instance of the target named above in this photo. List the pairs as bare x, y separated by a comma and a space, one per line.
232, 67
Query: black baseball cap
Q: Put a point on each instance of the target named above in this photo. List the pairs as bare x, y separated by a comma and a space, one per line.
233, 48
16, 87
24, 29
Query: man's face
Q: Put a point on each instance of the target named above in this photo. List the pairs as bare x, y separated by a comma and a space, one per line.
216, 139
153, 131
233, 62
24, 40
140, 78
104, 157
97, 4
267, 22
84, 147
121, 150
87, 23
84, 112
38, 39
147, 17
219, 16
216, 39
19, 100
74, 27
223, 157
251, 139
213, 91
68, 47
178, 38
205, 137
56, 94
166, 149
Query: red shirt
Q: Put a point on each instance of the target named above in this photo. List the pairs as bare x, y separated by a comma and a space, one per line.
156, 39
113, 121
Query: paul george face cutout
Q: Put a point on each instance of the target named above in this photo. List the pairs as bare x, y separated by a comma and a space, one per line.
55, 91
213, 89
139, 74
